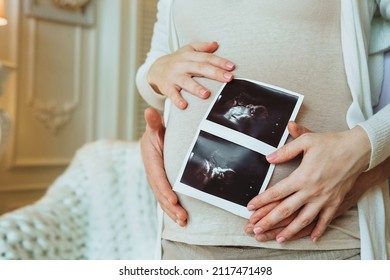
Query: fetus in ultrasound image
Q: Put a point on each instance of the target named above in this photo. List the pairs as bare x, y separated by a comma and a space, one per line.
256, 110
224, 169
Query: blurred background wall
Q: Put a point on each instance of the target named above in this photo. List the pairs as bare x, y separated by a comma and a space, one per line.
67, 78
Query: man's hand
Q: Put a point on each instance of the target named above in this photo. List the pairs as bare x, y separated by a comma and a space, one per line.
152, 147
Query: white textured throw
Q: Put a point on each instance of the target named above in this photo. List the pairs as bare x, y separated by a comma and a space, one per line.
100, 208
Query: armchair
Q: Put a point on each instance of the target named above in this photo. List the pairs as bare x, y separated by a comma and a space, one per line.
101, 207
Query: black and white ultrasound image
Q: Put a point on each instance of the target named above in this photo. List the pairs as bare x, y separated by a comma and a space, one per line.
253, 109
224, 169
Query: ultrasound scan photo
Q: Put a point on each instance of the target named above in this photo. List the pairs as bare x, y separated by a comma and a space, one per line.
253, 109
226, 164
225, 169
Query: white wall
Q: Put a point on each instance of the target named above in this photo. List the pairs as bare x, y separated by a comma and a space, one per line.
68, 85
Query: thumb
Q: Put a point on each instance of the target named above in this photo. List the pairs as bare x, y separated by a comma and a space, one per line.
209, 47
292, 149
296, 130
153, 119
287, 152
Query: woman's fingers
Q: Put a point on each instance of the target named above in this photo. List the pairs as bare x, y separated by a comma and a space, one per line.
205, 54
190, 85
277, 192
173, 93
290, 150
296, 130
201, 69
172, 73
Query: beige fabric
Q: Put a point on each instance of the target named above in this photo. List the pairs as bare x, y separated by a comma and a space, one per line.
300, 51
181, 251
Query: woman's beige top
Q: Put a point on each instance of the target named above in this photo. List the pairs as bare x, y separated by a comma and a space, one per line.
294, 44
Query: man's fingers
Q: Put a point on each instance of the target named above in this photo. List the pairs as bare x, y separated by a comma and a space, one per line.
269, 235
153, 119
272, 234
166, 196
305, 217
175, 212
262, 212
326, 217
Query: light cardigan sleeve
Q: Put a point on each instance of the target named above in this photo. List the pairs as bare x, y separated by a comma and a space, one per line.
378, 125
378, 131
159, 47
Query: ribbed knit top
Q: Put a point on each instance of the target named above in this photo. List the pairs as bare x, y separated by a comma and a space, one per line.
296, 45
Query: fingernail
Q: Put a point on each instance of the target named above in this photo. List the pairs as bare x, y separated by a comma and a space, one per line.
315, 239
257, 230
204, 92
251, 207
281, 240
178, 217
271, 156
228, 75
182, 104
230, 65
249, 230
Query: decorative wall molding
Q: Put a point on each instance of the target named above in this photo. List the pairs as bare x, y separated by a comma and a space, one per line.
78, 12
41, 162
4, 71
100, 100
15, 188
71, 4
53, 114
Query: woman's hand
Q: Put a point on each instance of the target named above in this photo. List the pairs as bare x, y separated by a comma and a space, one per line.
171, 73
152, 143
363, 183
316, 189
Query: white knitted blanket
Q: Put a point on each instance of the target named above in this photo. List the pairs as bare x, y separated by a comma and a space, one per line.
100, 208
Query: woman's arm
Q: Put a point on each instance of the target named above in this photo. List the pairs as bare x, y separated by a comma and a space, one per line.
377, 128
159, 47
331, 163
